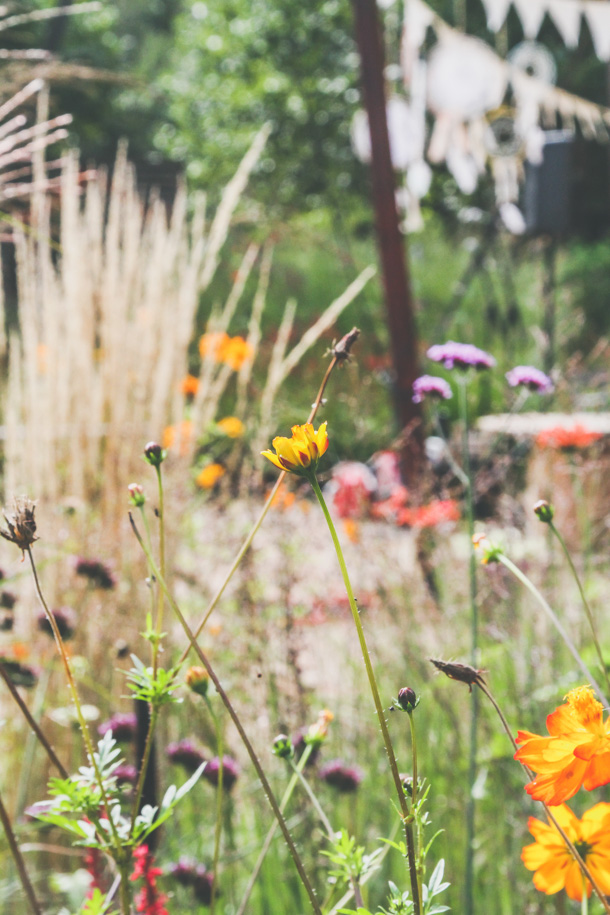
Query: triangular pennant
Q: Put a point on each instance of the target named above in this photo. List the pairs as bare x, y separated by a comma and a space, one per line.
531, 13
496, 11
597, 13
566, 16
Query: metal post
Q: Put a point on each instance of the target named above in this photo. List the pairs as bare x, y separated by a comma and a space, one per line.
391, 242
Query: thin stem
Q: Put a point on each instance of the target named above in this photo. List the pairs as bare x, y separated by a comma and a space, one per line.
474, 639
124, 892
584, 908
406, 816
570, 845
551, 615
18, 859
219, 793
75, 698
236, 721
248, 541
314, 800
135, 809
414, 788
161, 596
32, 723
584, 602
269, 837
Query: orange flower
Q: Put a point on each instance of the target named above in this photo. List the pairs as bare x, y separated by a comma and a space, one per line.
558, 437
550, 858
577, 752
171, 434
189, 385
213, 345
232, 351
209, 476
231, 426
440, 511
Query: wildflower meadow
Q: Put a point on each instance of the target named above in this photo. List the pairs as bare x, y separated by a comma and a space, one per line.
305, 440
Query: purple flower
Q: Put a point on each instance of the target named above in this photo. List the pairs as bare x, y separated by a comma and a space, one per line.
19, 674
65, 619
7, 621
461, 356
123, 726
8, 600
126, 774
99, 573
185, 753
344, 778
531, 378
431, 385
299, 743
230, 771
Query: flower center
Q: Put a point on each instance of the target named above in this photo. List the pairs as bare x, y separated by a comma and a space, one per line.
583, 848
584, 704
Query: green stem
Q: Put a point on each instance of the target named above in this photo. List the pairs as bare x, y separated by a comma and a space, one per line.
236, 721
414, 799
18, 859
406, 816
248, 541
474, 652
270, 834
124, 890
314, 800
585, 899
75, 698
584, 602
551, 615
161, 596
219, 793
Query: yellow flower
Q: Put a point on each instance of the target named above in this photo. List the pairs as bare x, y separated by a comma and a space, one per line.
550, 858
301, 453
576, 753
231, 426
209, 476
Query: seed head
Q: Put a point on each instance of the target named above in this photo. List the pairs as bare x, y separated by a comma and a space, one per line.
21, 523
462, 672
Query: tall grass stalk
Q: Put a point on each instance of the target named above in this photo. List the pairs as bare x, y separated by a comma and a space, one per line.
18, 859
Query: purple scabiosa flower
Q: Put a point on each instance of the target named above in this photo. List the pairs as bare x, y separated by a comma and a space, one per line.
230, 771
461, 356
8, 600
299, 743
530, 378
126, 774
99, 573
123, 726
187, 872
344, 778
185, 753
431, 386
7, 621
65, 618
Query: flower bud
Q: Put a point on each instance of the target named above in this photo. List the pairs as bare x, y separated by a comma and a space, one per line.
136, 495
544, 510
154, 454
282, 747
198, 680
407, 699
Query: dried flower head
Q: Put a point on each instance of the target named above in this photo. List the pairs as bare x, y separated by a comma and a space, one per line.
343, 349
462, 672
8, 600
99, 573
21, 523
19, 674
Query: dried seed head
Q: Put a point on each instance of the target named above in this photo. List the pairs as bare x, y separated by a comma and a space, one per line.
21, 523
462, 672
342, 350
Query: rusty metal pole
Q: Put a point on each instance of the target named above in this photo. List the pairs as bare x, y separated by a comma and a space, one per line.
391, 242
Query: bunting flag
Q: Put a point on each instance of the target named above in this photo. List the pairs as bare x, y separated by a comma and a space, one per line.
567, 15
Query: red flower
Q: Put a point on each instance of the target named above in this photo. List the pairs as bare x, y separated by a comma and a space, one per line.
149, 900
567, 439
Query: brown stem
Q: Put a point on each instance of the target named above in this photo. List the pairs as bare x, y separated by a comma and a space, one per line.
32, 723
572, 849
18, 859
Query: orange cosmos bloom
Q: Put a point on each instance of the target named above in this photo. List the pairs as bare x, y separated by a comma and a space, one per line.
301, 453
171, 433
231, 426
213, 345
550, 858
189, 385
577, 436
232, 351
577, 752
209, 476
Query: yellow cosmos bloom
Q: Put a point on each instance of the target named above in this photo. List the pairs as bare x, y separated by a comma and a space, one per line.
576, 753
301, 453
555, 868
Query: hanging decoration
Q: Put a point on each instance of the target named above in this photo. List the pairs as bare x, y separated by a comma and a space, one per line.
567, 15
